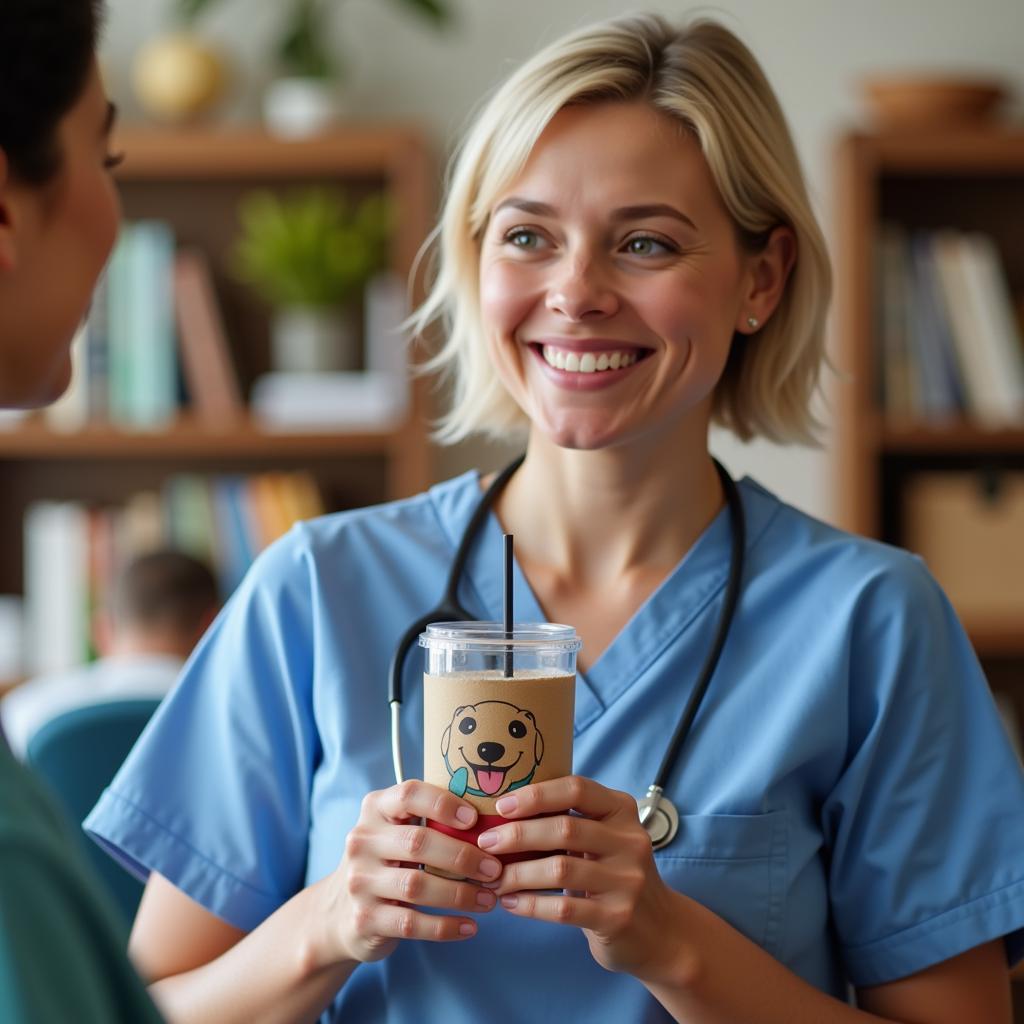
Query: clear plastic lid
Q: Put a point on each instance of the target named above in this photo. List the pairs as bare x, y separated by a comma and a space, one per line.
491, 636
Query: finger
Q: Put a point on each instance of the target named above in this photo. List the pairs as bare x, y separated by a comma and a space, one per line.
570, 792
405, 923
558, 872
417, 844
562, 832
423, 889
416, 799
559, 909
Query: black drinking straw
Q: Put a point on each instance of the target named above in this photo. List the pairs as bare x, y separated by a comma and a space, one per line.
508, 604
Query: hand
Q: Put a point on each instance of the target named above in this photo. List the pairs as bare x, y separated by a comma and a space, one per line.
612, 888
374, 889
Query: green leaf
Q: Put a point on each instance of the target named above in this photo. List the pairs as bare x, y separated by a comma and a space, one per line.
301, 49
310, 248
188, 10
435, 11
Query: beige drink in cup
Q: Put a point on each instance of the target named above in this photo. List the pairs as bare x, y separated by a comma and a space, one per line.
497, 711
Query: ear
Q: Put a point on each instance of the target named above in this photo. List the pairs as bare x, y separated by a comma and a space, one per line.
446, 740
7, 246
767, 274
538, 745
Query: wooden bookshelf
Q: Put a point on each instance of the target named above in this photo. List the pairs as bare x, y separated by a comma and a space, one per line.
194, 179
971, 179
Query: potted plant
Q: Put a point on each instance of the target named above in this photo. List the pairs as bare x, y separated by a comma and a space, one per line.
309, 255
304, 97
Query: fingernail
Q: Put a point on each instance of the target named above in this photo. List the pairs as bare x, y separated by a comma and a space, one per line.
509, 901
485, 899
466, 929
506, 804
487, 840
466, 815
490, 868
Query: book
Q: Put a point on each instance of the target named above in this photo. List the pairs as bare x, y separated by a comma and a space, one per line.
980, 372
329, 401
897, 377
154, 398
996, 327
56, 540
942, 388
119, 349
207, 367
189, 518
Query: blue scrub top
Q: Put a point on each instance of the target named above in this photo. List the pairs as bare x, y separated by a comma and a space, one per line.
849, 799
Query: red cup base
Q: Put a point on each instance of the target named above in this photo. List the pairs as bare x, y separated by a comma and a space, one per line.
483, 823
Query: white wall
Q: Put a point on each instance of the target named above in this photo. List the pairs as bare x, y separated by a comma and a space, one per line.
814, 51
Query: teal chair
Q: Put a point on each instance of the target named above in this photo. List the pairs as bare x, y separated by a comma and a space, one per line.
77, 754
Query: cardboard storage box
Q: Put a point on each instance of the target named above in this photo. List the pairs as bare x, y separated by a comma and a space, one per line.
969, 528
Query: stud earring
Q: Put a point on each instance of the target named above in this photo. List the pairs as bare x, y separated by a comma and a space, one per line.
753, 323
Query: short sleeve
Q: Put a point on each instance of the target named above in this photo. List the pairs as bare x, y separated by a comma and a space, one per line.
925, 826
215, 796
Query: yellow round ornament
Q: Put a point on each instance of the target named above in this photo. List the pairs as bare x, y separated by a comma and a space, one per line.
178, 77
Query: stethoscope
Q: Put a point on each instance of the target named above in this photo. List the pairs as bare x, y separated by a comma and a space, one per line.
658, 814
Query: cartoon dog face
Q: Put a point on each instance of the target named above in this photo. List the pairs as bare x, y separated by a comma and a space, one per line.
490, 748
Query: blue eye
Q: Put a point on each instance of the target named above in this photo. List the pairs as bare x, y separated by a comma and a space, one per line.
646, 245
521, 238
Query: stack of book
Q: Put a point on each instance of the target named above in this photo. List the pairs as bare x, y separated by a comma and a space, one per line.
153, 341
949, 338
73, 551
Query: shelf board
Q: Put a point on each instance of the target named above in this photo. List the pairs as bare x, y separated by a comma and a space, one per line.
954, 436
995, 148
996, 639
246, 153
187, 439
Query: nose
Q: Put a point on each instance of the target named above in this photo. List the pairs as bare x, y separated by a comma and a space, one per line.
490, 752
581, 292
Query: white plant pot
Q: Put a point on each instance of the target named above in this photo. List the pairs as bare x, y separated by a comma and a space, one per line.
297, 107
312, 340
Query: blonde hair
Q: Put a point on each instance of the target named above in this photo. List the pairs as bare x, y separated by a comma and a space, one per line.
704, 77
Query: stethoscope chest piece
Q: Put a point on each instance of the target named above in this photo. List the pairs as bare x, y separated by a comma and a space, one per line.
659, 816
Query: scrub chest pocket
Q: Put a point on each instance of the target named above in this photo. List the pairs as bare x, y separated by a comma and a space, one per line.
735, 865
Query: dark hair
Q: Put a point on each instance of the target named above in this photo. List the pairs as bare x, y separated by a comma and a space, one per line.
46, 47
164, 589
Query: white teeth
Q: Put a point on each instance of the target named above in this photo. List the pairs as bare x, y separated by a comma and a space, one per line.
587, 362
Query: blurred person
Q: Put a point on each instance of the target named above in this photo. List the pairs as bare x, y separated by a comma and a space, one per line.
159, 607
61, 951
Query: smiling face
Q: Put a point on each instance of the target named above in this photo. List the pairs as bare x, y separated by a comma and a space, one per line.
495, 744
54, 241
611, 279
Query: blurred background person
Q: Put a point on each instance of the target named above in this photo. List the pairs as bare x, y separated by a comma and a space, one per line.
158, 609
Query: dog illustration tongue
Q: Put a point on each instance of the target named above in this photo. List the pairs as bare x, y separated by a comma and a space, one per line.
490, 781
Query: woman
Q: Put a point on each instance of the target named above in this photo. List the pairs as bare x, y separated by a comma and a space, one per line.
61, 957
626, 253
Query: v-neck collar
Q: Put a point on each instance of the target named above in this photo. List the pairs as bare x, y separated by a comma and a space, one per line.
673, 607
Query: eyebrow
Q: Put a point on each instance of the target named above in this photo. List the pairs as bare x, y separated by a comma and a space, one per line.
622, 213
109, 118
